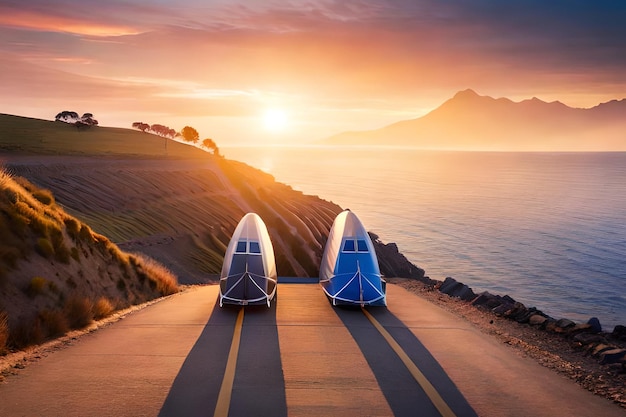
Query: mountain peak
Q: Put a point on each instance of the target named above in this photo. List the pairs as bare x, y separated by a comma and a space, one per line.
466, 94
469, 121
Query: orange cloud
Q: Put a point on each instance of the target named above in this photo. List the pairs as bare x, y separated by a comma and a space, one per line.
335, 65
42, 22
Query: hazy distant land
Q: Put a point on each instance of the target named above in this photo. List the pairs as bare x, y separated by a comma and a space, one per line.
469, 121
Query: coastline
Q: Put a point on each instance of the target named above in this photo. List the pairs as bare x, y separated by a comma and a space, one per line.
537, 226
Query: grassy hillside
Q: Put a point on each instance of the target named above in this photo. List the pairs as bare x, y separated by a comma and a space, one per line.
57, 274
180, 208
22, 135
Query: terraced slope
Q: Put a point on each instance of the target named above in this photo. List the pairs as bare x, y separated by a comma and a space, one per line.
183, 212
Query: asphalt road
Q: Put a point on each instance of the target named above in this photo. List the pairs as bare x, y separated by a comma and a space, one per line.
302, 357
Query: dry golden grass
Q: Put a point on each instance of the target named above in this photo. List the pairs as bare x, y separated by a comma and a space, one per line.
54, 323
102, 308
26, 333
163, 280
35, 231
78, 311
4, 331
72, 227
32, 225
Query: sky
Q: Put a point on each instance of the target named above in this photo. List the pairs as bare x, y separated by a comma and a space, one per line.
291, 72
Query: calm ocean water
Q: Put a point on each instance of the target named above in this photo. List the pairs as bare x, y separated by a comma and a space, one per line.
548, 229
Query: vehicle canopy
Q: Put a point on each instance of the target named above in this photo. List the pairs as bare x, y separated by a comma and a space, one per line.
249, 270
349, 272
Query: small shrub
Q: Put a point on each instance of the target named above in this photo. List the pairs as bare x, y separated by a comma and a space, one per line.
43, 196
73, 227
18, 222
44, 247
11, 195
78, 311
26, 333
54, 323
9, 255
4, 331
36, 286
101, 241
102, 308
22, 208
61, 252
43, 226
86, 234
159, 277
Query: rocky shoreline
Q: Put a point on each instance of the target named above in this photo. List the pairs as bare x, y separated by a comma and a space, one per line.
595, 359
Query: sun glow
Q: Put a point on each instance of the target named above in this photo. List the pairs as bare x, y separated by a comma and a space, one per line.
275, 120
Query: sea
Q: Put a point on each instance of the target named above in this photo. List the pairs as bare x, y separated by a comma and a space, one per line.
548, 229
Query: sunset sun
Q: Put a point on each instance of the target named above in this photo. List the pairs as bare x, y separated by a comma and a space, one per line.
275, 120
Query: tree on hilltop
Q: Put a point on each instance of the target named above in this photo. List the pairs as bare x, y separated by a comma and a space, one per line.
211, 145
141, 126
162, 130
71, 117
190, 134
88, 120
67, 116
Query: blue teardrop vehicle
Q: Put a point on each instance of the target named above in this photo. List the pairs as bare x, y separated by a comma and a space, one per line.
349, 272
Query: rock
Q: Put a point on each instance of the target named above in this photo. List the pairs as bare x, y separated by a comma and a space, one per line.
457, 289
428, 281
393, 263
551, 326
613, 356
589, 338
565, 323
465, 293
508, 299
517, 311
537, 320
523, 318
486, 299
600, 348
448, 284
501, 309
595, 324
579, 328
619, 332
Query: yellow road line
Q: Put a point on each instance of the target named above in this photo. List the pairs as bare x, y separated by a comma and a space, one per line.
428, 388
226, 390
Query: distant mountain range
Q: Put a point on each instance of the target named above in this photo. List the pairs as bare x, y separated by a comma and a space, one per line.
469, 121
